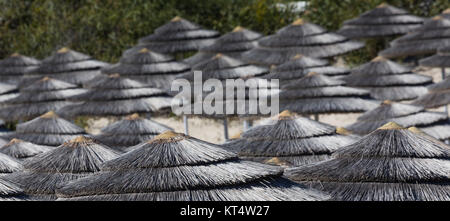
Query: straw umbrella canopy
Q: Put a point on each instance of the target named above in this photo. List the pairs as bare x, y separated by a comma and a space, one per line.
38, 98
438, 95
291, 139
22, 149
130, 132
433, 123
300, 65
320, 94
72, 160
66, 65
300, 37
113, 95
47, 129
382, 21
8, 91
176, 167
434, 33
178, 35
390, 164
154, 69
10, 191
387, 80
232, 44
15, 66
9, 164
441, 59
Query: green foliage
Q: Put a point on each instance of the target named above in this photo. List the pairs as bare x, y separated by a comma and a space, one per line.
82, 121
105, 28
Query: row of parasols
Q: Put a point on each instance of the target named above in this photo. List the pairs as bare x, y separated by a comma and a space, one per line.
287, 157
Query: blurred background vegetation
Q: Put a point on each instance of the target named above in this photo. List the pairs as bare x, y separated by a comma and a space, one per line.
105, 28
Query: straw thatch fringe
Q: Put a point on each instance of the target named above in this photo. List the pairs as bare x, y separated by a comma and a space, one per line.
433, 99
415, 48
10, 191
441, 59
380, 66
328, 105
9, 164
389, 109
49, 124
172, 47
15, 66
146, 69
313, 40
398, 93
21, 149
387, 80
363, 31
74, 77
7, 88
290, 161
121, 94
391, 20
333, 91
28, 111
44, 139
440, 131
177, 35
162, 81
45, 96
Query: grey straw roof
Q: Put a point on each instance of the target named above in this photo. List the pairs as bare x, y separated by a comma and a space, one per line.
232, 44
154, 69
433, 34
299, 37
9, 164
390, 164
291, 139
440, 59
38, 98
48, 129
384, 20
178, 35
130, 131
317, 94
113, 95
176, 167
22, 149
387, 80
433, 123
10, 191
8, 91
66, 65
72, 160
15, 66
438, 95
300, 65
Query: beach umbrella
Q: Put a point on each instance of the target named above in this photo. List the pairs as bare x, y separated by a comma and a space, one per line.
113, 95
438, 95
320, 94
289, 138
10, 191
433, 34
232, 44
390, 164
48, 129
433, 123
66, 65
441, 60
9, 164
300, 65
38, 98
176, 167
72, 160
155, 69
8, 91
22, 149
178, 35
382, 21
387, 80
129, 132
300, 37
15, 66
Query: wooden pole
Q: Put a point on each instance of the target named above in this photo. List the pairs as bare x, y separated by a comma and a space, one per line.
225, 128
186, 127
246, 125
316, 117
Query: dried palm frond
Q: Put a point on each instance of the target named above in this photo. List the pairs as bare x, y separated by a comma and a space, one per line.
163, 168
21, 149
390, 164
72, 160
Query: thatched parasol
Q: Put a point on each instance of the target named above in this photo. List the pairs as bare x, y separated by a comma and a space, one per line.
390, 164
113, 95
232, 44
438, 95
72, 160
441, 59
8, 91
66, 65
154, 69
433, 123
299, 37
176, 167
435, 33
129, 132
38, 98
387, 80
295, 140
10, 191
48, 129
9, 164
178, 35
300, 65
15, 66
22, 150
385, 20
320, 94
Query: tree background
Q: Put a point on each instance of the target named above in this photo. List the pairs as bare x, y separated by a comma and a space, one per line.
105, 28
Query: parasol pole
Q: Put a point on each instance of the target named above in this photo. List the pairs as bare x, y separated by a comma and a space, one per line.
225, 128
246, 125
316, 117
186, 128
